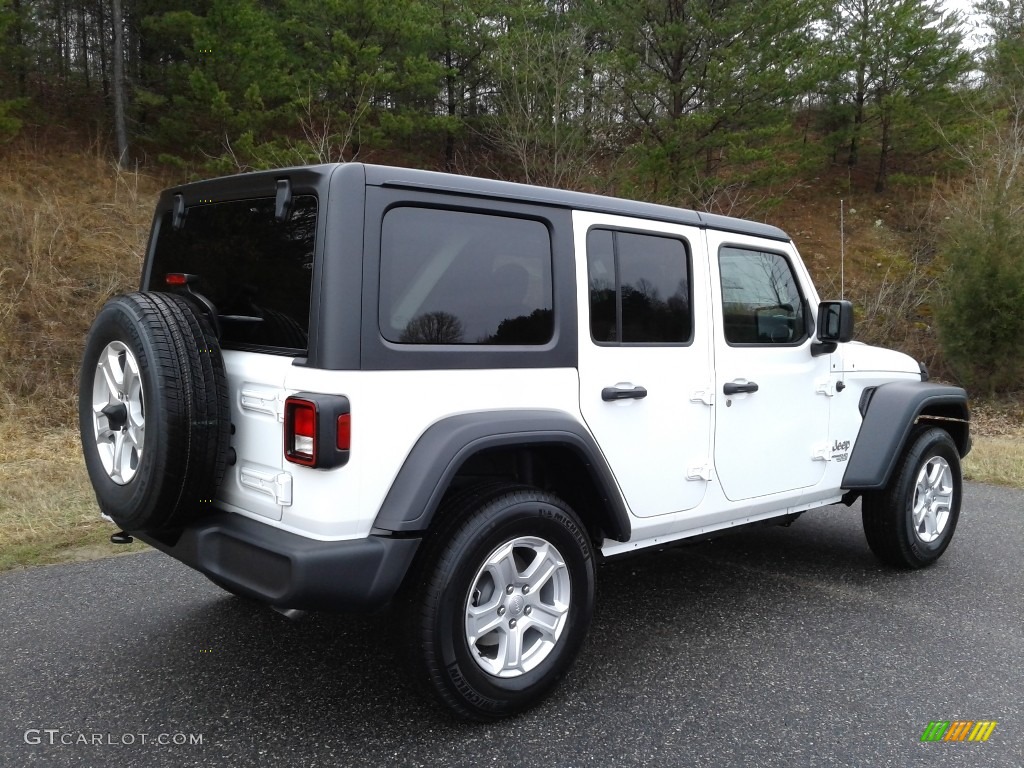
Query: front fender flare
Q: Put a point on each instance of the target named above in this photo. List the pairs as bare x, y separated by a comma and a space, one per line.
891, 414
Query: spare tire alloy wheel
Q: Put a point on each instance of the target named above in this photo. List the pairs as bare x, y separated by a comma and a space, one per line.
154, 415
118, 412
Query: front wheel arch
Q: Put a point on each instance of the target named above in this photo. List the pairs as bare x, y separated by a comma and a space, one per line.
892, 413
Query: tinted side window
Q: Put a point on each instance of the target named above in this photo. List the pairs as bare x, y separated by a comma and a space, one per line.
761, 301
257, 271
451, 277
639, 288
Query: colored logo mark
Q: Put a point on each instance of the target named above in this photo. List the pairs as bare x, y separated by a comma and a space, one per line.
958, 730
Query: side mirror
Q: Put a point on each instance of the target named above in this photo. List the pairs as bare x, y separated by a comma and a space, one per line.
835, 321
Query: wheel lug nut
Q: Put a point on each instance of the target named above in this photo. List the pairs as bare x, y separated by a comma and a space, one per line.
526, 589
501, 610
509, 589
511, 623
528, 610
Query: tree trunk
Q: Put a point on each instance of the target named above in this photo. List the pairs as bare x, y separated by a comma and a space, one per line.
120, 127
858, 118
883, 157
83, 42
19, 45
101, 36
449, 137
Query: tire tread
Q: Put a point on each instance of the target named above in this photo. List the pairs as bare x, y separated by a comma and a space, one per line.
462, 513
188, 409
884, 514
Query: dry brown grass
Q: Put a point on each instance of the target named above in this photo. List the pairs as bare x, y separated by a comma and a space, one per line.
48, 512
73, 231
997, 456
998, 460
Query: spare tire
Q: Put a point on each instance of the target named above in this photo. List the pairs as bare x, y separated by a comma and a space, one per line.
153, 411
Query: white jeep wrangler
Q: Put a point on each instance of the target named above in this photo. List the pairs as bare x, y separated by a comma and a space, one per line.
345, 387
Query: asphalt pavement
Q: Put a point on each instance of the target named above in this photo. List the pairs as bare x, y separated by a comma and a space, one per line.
767, 647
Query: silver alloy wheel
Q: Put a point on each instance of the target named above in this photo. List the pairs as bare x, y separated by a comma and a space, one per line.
933, 499
118, 412
517, 607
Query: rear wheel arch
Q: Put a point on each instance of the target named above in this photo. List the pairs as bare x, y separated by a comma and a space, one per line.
544, 449
559, 468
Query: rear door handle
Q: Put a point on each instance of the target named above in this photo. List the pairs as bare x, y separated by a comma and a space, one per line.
611, 394
732, 388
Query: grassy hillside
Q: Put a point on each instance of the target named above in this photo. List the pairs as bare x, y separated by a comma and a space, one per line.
73, 231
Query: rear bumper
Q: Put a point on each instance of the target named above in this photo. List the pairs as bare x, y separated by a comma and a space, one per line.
288, 570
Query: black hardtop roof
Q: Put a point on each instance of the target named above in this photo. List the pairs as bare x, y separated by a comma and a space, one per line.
471, 186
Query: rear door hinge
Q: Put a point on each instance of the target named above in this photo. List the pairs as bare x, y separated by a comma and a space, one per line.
826, 387
822, 453
263, 401
699, 472
277, 485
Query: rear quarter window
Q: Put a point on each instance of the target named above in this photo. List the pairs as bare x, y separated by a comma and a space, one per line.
455, 277
257, 271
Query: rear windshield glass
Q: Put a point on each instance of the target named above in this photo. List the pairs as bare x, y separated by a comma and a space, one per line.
256, 271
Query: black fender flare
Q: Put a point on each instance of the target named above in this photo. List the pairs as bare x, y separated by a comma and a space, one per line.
444, 447
890, 413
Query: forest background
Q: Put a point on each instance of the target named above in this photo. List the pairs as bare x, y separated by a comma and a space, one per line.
886, 136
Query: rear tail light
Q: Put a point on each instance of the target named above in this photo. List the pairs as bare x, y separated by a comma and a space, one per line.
300, 419
317, 430
344, 431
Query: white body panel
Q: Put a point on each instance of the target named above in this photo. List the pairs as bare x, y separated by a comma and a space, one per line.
688, 459
390, 411
658, 446
769, 441
256, 483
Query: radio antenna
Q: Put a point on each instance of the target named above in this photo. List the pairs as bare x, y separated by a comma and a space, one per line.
842, 252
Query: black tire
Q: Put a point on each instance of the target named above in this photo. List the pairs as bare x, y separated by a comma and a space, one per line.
477, 524
184, 407
888, 515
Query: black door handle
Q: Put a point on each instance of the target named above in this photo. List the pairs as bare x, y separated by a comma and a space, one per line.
610, 394
732, 388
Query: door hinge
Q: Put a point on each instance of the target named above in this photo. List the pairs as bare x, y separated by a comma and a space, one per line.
822, 453
699, 472
261, 401
826, 387
277, 485
706, 396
